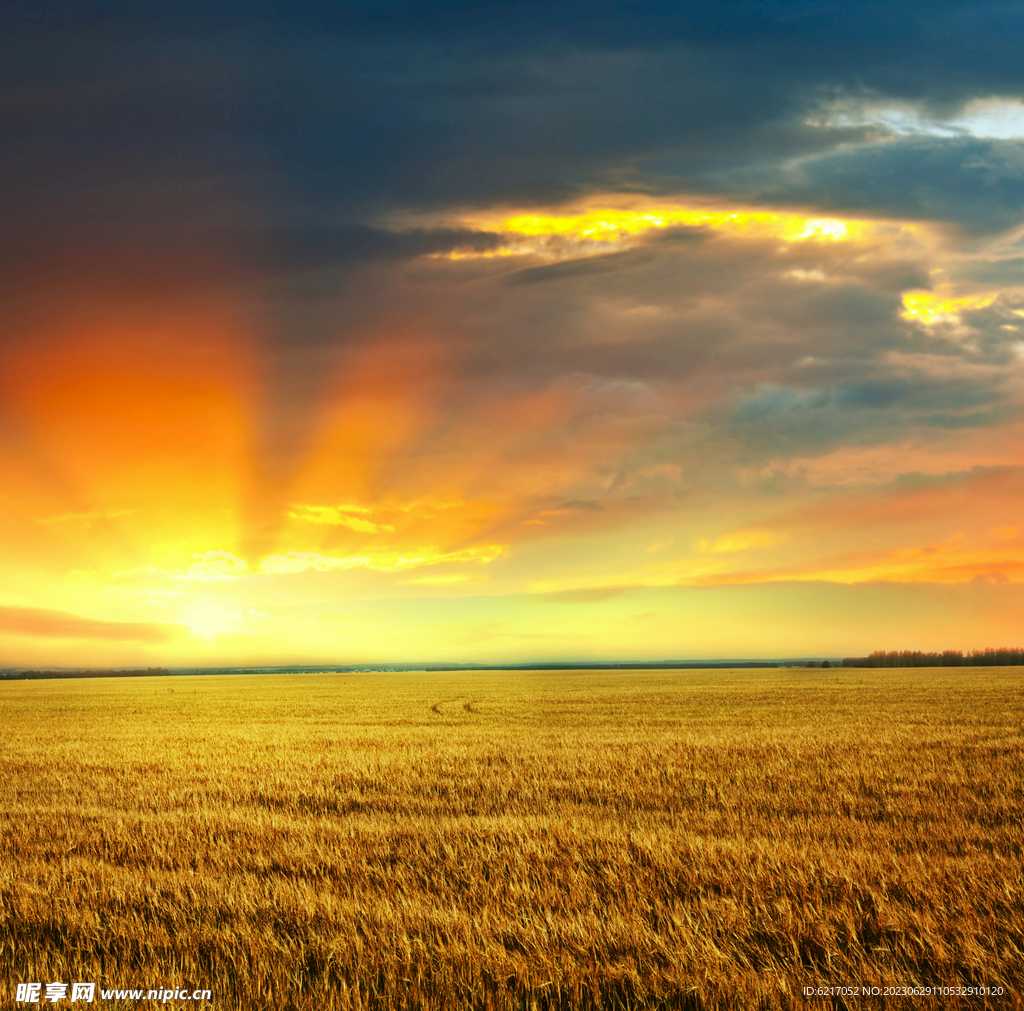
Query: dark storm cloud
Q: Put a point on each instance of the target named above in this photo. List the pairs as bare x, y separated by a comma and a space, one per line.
313, 247
158, 265
172, 146
170, 118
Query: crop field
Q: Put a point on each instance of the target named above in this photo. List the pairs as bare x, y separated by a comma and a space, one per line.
492, 840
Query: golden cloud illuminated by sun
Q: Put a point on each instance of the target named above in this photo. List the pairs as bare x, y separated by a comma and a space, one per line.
932, 307
300, 561
339, 516
613, 225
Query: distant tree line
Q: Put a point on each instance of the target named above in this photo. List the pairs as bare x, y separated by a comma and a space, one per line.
50, 675
989, 657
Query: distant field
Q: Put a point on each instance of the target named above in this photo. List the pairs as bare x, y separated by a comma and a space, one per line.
674, 839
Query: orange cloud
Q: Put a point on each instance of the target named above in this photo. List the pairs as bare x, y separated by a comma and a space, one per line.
958, 501
944, 565
39, 621
300, 561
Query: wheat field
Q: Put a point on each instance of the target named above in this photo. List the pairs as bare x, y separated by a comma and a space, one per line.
498, 840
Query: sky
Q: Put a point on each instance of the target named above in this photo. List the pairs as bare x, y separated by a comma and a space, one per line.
497, 332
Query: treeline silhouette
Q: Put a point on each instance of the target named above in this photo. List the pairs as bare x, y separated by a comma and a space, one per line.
51, 675
1001, 657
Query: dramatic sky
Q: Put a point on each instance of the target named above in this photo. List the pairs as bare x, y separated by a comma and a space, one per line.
356, 331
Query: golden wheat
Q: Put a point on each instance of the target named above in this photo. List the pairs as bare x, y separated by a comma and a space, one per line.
704, 839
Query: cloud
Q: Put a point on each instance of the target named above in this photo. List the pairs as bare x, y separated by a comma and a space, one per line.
46, 623
214, 565
975, 183
300, 561
921, 565
339, 516
998, 118
283, 138
918, 501
296, 249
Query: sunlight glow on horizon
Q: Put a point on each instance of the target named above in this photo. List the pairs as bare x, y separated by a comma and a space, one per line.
147, 483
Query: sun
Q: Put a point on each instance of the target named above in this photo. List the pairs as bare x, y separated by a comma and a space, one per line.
209, 621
